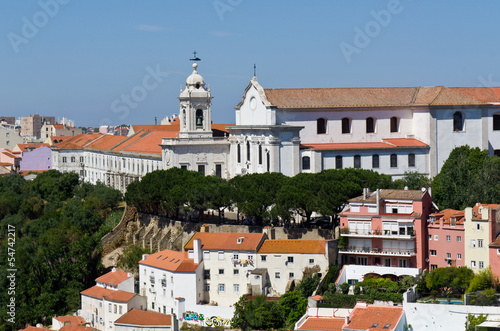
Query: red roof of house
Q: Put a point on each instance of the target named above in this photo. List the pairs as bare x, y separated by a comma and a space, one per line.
323, 323
75, 328
114, 277
75, 320
300, 246
145, 142
227, 241
58, 126
364, 317
24, 147
170, 260
324, 98
99, 292
33, 328
392, 143
445, 215
142, 317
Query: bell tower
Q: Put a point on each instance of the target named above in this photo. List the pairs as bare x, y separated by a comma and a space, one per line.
195, 113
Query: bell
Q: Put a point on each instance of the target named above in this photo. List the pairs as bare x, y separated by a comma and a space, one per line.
199, 121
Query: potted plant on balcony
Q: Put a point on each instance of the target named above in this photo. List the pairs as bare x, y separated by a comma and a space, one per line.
345, 230
377, 231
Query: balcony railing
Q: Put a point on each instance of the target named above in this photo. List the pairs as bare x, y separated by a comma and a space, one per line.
376, 233
377, 251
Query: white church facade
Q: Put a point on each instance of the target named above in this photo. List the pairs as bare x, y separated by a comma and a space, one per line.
389, 130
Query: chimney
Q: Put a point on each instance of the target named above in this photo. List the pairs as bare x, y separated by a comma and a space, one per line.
204, 228
365, 193
145, 256
346, 320
197, 250
113, 270
468, 214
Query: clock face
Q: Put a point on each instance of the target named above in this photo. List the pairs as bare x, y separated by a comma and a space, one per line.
253, 103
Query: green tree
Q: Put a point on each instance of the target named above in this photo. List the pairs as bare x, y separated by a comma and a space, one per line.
293, 306
130, 258
412, 180
472, 321
484, 279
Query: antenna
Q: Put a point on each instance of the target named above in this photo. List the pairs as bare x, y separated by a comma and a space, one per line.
195, 58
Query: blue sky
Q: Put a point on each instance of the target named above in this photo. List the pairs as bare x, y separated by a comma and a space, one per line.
82, 56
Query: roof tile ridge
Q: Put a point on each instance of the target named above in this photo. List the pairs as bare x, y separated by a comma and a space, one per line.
384, 140
126, 139
92, 141
414, 97
140, 138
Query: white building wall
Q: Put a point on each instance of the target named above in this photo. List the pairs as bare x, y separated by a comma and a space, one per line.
493, 135
476, 236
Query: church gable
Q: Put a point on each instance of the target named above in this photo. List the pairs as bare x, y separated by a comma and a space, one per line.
254, 108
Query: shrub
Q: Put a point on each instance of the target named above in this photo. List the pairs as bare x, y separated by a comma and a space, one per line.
357, 289
345, 288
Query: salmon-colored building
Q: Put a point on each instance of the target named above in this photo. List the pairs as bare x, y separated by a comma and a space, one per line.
386, 228
446, 239
494, 252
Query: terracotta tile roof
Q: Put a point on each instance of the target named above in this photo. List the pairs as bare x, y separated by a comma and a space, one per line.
384, 144
392, 194
76, 142
317, 297
33, 328
75, 320
75, 328
114, 277
445, 215
24, 147
170, 260
311, 98
119, 296
97, 292
144, 142
221, 127
105, 142
300, 246
227, 241
496, 243
174, 126
9, 155
142, 317
58, 126
475, 209
363, 318
323, 323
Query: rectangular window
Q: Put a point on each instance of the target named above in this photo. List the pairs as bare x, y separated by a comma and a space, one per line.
221, 255
291, 275
481, 264
206, 274
206, 255
473, 243
394, 161
375, 161
311, 261
459, 239
236, 288
73, 159
81, 159
218, 170
448, 255
184, 166
201, 169
221, 271
448, 238
436, 237
120, 309
109, 307
65, 159
235, 256
207, 287
277, 275
433, 266
433, 252
236, 271
459, 256
480, 243
222, 287
411, 160
290, 259
430, 237
473, 264
478, 226
263, 258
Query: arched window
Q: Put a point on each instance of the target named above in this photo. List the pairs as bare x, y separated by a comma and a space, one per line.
370, 125
411, 160
239, 152
375, 161
394, 161
496, 122
199, 118
394, 124
268, 161
357, 161
248, 151
338, 162
260, 154
346, 125
321, 125
306, 163
458, 121
184, 117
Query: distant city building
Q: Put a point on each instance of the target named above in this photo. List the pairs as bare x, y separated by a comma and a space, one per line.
7, 120
9, 136
31, 126
136, 320
52, 130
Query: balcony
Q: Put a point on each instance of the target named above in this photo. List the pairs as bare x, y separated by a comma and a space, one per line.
386, 234
376, 251
164, 283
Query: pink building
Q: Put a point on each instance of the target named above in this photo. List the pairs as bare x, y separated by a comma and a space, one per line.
494, 251
386, 228
446, 239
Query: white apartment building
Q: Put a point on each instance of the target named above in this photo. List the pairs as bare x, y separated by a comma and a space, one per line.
9, 136
482, 223
284, 261
111, 297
